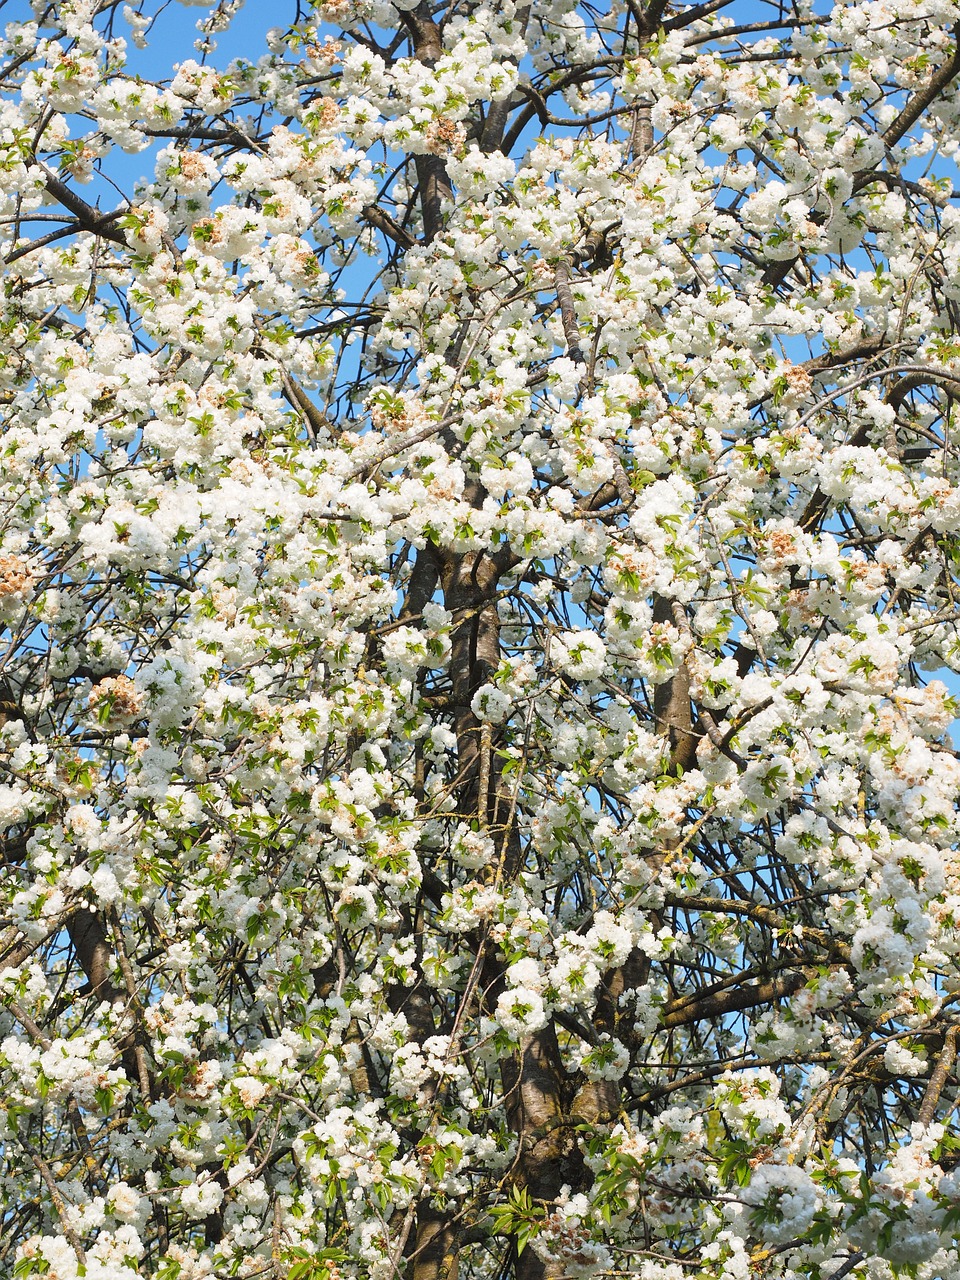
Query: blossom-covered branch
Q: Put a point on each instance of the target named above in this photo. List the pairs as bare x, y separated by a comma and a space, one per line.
478, 574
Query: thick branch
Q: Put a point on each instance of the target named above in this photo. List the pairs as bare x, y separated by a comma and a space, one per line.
434, 189
436, 1256
671, 703
93, 950
684, 1012
568, 312
688, 16
765, 916
382, 220
89, 218
945, 1063
59, 1204
549, 1156
469, 587
317, 422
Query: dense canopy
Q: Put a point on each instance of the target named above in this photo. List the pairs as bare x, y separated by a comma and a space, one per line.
479, 577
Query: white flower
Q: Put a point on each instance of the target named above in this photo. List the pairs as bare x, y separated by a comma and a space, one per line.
200, 1199
581, 654
520, 1011
784, 1200
900, 1061
491, 703
124, 1202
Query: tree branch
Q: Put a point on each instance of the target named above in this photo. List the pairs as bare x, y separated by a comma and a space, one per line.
928, 1108
89, 218
684, 1012
382, 220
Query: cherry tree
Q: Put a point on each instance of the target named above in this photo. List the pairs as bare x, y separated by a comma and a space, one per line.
479, 581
